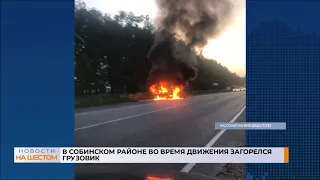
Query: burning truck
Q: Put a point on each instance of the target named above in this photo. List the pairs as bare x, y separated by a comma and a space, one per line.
173, 66
184, 28
166, 90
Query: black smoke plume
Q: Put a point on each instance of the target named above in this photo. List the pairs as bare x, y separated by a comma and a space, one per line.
184, 28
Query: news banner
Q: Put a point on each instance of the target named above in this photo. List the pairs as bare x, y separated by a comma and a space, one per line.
151, 155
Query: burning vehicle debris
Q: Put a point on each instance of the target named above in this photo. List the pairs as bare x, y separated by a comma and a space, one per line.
170, 73
165, 90
184, 28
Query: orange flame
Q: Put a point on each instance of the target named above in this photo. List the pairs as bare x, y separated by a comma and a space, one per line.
156, 178
166, 91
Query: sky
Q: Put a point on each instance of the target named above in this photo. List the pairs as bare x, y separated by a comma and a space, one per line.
229, 48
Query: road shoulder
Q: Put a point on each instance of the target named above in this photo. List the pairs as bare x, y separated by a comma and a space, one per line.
226, 171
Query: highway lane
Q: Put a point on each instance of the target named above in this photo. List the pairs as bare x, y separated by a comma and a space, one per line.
181, 123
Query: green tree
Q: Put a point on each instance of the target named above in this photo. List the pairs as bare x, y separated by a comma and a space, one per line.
112, 50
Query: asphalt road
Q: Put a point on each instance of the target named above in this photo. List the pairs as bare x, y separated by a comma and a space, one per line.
180, 123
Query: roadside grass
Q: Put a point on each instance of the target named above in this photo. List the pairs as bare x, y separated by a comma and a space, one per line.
201, 92
94, 100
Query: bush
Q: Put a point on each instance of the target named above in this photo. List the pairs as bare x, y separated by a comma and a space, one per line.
199, 92
99, 100
140, 96
83, 101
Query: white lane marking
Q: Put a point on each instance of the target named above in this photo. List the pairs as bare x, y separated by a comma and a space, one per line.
120, 119
127, 107
189, 166
112, 109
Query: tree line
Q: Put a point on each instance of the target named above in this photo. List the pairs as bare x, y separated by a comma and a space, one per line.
110, 51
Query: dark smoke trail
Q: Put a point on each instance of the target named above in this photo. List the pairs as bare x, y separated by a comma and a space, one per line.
184, 27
